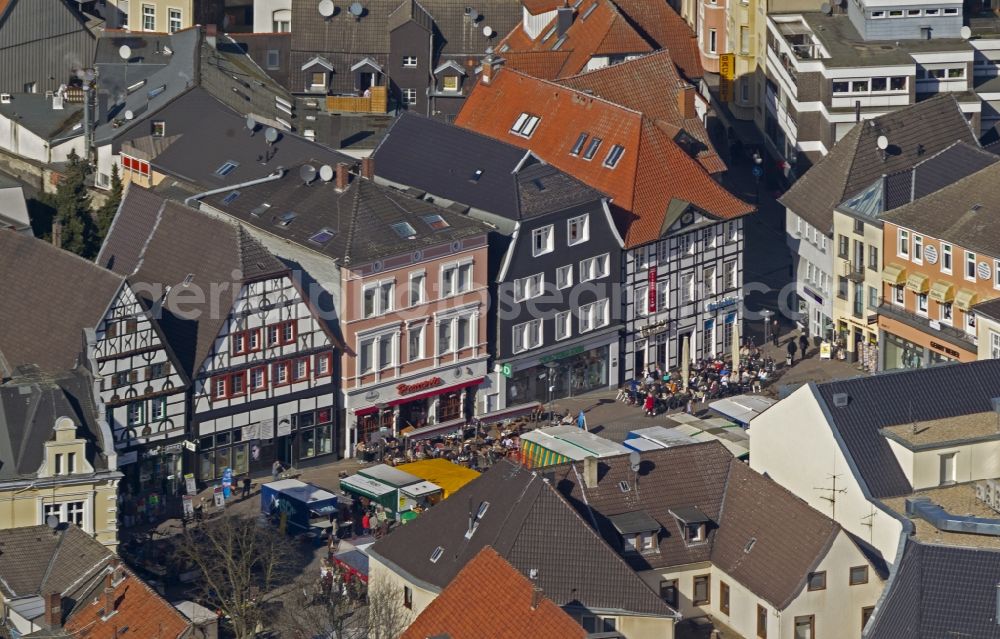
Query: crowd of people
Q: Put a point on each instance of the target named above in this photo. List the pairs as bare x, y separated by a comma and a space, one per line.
658, 391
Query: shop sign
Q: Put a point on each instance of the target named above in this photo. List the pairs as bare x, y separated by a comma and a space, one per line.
190, 445
984, 271
651, 289
130, 457
267, 428
824, 350
284, 426
427, 384
506, 370
251, 432
172, 448
727, 73
654, 329
219, 499
569, 352
189, 484
947, 351
930, 254
723, 303
872, 319
188, 504
372, 396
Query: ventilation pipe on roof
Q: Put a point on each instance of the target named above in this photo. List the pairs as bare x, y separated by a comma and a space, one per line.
536, 597
564, 20
277, 174
941, 519
343, 176
590, 471
368, 168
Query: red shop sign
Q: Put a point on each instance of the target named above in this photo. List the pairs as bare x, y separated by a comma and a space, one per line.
406, 389
651, 282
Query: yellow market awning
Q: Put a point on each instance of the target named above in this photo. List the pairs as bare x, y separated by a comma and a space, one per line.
917, 282
894, 274
943, 292
965, 298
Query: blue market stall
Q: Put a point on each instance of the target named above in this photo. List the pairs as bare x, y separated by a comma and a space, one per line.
306, 507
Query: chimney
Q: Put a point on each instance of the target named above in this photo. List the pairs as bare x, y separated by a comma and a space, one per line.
53, 610
57, 234
590, 471
564, 20
685, 101
368, 168
536, 597
211, 35
342, 176
490, 67
108, 596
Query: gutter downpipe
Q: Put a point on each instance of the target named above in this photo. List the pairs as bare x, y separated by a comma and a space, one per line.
277, 174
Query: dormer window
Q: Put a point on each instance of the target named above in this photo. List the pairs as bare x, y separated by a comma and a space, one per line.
639, 532
693, 524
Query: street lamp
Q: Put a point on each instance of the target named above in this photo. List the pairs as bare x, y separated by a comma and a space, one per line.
758, 171
551, 380
766, 314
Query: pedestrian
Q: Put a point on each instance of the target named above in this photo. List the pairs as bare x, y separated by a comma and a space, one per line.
791, 351
366, 523
276, 469
803, 344
246, 486
774, 331
649, 405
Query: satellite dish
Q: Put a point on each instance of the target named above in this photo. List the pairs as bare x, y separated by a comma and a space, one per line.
251, 124
633, 460
965, 32
356, 9
474, 15
125, 52
825, 8
271, 135
882, 142
326, 172
307, 172
488, 31
326, 8
129, 115
52, 522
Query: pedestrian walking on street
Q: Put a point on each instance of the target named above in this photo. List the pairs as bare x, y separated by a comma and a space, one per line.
774, 332
276, 469
803, 344
791, 351
366, 523
246, 486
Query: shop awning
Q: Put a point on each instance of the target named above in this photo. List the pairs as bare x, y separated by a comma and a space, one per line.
509, 413
918, 282
964, 299
367, 410
943, 292
894, 274
360, 485
426, 432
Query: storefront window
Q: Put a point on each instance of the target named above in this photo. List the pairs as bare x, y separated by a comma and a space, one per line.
571, 376
449, 406
240, 459
324, 440
307, 444
206, 466
900, 353
223, 460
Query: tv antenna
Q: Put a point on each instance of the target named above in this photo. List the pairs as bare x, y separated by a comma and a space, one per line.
308, 173
52, 522
834, 491
125, 53
326, 172
129, 115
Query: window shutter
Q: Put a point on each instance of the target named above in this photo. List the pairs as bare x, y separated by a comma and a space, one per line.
166, 369
112, 330
149, 373
133, 376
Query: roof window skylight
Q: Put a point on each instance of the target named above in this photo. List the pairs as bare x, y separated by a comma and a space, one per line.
260, 209
436, 554
226, 168
558, 43
436, 222
525, 125
478, 173
322, 236
614, 155
287, 218
231, 197
595, 143
578, 145
483, 507
549, 34
589, 11
404, 230
157, 91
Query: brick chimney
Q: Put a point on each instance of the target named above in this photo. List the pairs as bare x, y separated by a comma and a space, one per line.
53, 610
343, 177
491, 66
685, 101
536, 597
368, 168
590, 471
108, 595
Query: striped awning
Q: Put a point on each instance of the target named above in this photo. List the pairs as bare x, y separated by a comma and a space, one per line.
964, 299
918, 282
894, 274
943, 292
537, 456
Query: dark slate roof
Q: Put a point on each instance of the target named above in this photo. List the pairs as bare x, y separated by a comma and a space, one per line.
36, 560
121, 248
30, 404
45, 308
940, 591
531, 526
855, 163
894, 398
34, 112
705, 481
360, 218
938, 171
182, 243
442, 159
966, 212
989, 308
233, 78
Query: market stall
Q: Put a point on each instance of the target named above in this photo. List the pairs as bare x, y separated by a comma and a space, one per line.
303, 507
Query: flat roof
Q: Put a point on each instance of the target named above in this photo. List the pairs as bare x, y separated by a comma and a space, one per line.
389, 475
957, 499
665, 437
307, 493
421, 489
588, 442
742, 408
939, 432
366, 485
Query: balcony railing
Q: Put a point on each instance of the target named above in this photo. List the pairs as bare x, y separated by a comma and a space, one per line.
375, 102
852, 271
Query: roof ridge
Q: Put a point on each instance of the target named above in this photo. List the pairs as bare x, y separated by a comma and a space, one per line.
52, 560
352, 223
572, 90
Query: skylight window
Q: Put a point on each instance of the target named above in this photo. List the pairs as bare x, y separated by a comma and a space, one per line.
436, 222
550, 33
188, 279
260, 209
589, 11
287, 218
404, 230
561, 41
226, 168
322, 236
614, 155
157, 91
595, 143
525, 125
437, 554
578, 145
623, 485
231, 197
483, 507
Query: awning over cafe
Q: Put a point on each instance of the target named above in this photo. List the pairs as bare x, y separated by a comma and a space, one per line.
894, 274
426, 432
917, 282
965, 298
943, 292
509, 413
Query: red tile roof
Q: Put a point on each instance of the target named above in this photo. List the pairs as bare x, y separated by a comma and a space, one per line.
538, 7
490, 598
137, 606
652, 172
650, 85
667, 29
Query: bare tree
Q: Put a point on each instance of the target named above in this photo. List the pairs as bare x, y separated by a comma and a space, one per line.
241, 565
387, 616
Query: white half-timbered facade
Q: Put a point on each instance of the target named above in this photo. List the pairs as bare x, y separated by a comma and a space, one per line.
266, 390
687, 284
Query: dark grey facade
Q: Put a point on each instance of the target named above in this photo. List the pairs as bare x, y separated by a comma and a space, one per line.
42, 44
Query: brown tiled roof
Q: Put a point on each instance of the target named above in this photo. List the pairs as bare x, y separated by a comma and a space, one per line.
658, 22
490, 598
538, 7
649, 85
45, 304
538, 64
653, 170
788, 537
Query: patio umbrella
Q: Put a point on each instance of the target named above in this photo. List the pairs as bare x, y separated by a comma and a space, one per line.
736, 345
685, 361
